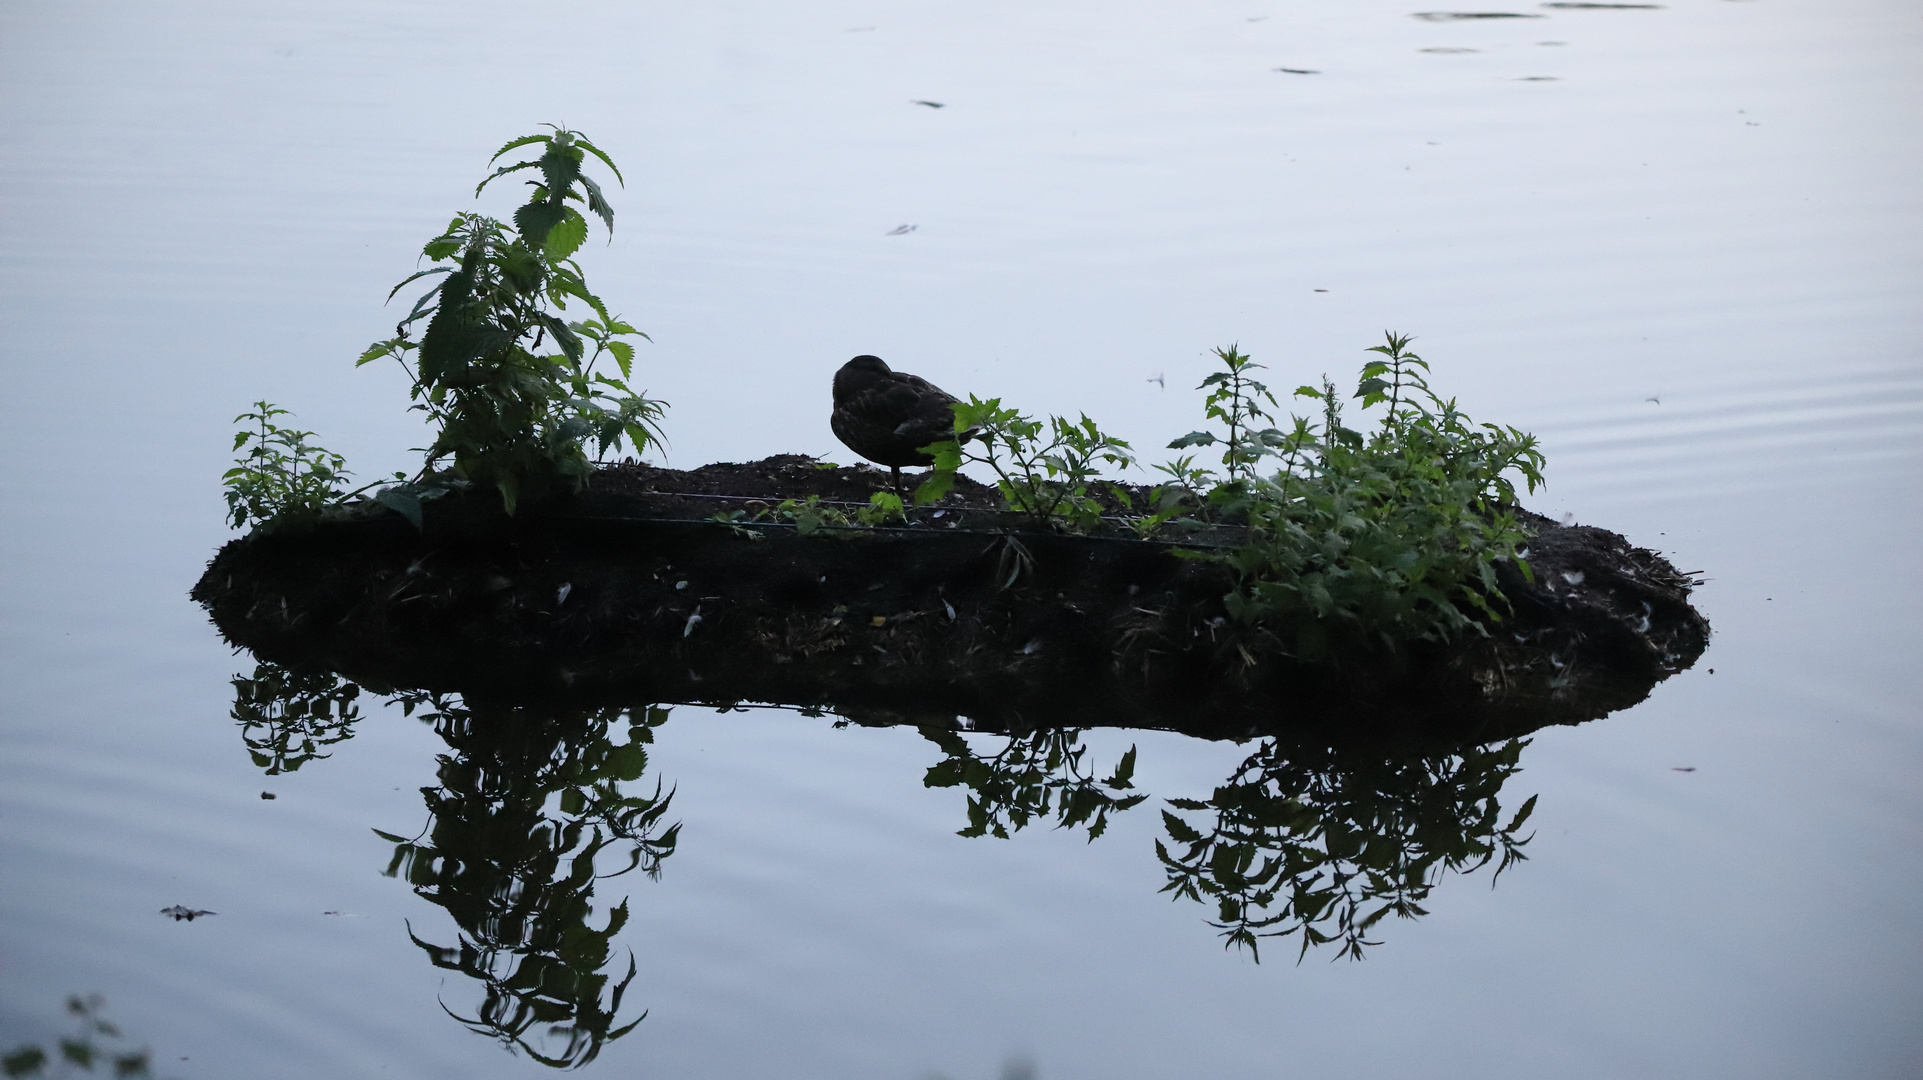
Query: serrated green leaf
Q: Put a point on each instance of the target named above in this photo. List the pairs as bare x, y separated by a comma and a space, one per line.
506, 169
536, 219
512, 144
566, 237
605, 159
623, 355
598, 202
560, 168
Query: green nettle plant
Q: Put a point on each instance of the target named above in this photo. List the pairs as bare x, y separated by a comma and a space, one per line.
1046, 482
1355, 539
509, 384
281, 476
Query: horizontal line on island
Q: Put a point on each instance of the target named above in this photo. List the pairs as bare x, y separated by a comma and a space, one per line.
930, 531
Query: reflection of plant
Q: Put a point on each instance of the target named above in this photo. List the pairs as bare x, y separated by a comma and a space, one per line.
81, 1050
280, 477
511, 417
1368, 540
1328, 845
286, 716
1045, 482
526, 806
1033, 777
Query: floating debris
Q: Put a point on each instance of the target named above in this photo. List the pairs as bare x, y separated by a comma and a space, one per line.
179, 913
1447, 50
931, 104
1458, 16
1298, 71
901, 230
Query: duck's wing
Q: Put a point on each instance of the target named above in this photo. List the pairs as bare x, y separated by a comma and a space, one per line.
924, 410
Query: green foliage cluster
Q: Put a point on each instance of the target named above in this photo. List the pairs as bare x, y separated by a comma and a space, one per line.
810, 515
281, 476
1364, 539
1352, 539
1045, 472
509, 383
1033, 777
1330, 846
82, 1050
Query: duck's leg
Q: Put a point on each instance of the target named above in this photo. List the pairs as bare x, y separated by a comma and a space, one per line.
895, 471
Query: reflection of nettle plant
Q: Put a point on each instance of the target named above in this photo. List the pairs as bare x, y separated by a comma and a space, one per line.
90, 1045
1329, 846
510, 384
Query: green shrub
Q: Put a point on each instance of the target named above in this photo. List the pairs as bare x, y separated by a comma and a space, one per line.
1361, 540
511, 386
1045, 482
281, 477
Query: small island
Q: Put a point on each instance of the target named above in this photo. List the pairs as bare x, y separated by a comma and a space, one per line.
1319, 580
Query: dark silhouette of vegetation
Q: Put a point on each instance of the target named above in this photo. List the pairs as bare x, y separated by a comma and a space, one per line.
91, 1045
529, 816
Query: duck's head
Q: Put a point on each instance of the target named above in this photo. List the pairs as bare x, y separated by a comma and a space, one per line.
859, 372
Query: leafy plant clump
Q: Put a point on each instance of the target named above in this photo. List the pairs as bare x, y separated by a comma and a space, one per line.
281, 475
1357, 539
508, 382
1046, 482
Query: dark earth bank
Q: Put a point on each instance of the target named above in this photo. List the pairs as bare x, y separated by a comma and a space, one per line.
632, 592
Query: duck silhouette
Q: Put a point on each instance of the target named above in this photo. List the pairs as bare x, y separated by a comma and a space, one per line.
887, 416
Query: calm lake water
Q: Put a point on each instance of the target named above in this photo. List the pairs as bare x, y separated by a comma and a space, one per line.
1679, 243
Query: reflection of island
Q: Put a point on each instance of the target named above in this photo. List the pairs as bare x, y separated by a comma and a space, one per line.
532, 812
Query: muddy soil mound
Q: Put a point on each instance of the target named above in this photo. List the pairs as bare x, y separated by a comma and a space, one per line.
633, 592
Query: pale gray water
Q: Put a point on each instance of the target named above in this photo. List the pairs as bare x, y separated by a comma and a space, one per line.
1713, 205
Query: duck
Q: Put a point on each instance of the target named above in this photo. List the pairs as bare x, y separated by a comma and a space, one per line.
887, 416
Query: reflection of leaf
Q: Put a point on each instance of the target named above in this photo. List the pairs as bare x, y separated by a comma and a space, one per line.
1034, 776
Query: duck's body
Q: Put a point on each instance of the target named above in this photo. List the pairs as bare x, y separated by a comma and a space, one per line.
887, 416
